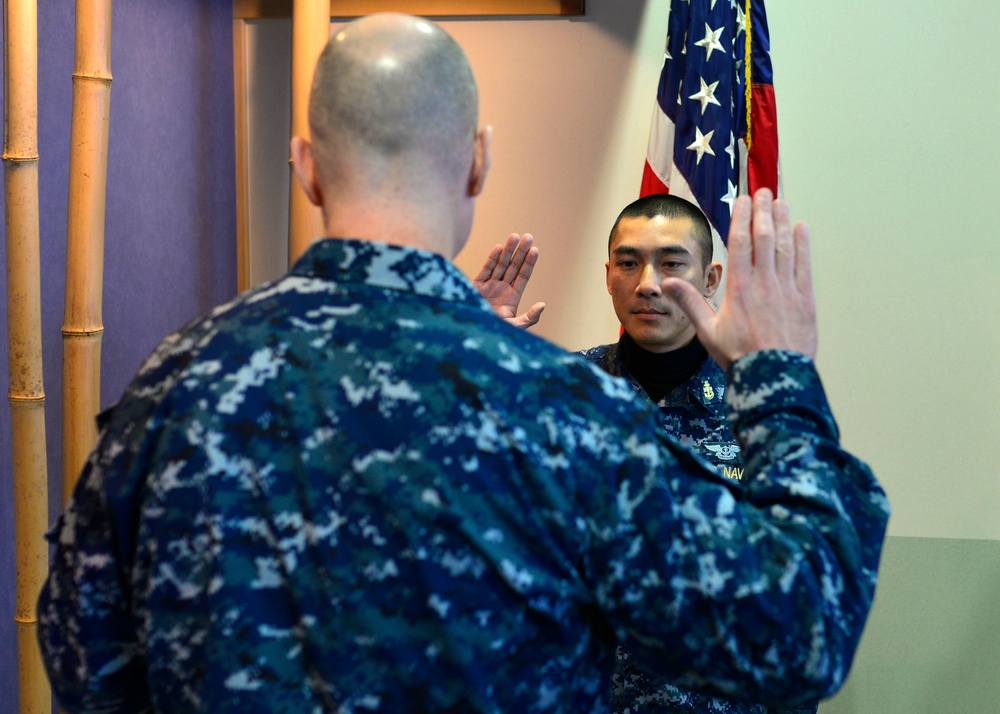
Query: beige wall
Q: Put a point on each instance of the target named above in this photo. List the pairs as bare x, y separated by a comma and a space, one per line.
570, 101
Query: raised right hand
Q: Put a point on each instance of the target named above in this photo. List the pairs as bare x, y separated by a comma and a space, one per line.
769, 302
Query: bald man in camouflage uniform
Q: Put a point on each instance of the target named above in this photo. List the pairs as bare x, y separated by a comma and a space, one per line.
357, 489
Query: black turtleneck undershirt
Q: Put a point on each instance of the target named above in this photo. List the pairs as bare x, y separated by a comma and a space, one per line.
661, 373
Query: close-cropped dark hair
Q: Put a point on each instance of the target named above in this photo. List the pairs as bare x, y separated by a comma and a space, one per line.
670, 206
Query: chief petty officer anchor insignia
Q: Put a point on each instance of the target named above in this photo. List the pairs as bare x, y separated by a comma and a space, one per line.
723, 451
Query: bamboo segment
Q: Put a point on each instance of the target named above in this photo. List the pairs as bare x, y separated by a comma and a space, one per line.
30, 516
88, 170
240, 95
24, 336
310, 32
81, 400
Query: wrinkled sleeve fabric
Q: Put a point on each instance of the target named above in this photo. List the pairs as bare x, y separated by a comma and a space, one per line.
209, 562
87, 631
759, 590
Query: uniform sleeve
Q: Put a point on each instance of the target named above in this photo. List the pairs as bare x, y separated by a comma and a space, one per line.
758, 591
85, 630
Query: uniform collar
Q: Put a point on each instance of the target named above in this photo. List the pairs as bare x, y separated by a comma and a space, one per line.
392, 267
705, 387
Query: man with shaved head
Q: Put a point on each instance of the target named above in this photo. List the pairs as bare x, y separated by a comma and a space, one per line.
357, 489
655, 239
393, 114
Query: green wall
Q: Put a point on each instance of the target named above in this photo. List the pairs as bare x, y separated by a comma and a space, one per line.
889, 143
932, 645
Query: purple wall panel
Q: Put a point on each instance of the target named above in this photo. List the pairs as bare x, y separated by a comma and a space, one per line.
170, 248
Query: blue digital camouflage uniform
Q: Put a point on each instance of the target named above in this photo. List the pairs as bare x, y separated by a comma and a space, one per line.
694, 414
356, 489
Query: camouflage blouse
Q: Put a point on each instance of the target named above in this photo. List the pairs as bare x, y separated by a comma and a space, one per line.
355, 489
694, 414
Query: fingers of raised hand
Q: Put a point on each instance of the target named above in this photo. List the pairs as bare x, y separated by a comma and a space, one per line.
525, 270
740, 243
803, 283
492, 259
768, 302
698, 310
803, 261
518, 254
507, 255
778, 301
784, 244
763, 232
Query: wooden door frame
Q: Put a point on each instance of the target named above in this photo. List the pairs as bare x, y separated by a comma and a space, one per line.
245, 11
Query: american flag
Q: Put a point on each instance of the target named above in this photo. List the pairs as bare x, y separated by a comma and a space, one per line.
703, 144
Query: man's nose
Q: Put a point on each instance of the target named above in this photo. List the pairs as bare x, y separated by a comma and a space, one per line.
649, 283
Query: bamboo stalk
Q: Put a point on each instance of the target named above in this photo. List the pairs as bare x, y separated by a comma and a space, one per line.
88, 170
24, 334
241, 92
310, 32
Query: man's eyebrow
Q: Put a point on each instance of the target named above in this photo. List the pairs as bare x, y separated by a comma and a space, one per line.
659, 252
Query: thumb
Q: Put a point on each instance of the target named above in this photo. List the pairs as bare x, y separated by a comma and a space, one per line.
693, 303
532, 316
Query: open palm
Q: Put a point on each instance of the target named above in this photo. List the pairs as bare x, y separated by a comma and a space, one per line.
505, 274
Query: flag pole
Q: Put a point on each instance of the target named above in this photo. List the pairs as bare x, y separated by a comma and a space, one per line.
24, 334
88, 169
310, 32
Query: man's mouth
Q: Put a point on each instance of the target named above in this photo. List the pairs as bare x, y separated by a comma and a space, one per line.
647, 312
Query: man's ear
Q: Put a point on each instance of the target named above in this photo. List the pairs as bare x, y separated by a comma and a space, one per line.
607, 275
713, 278
304, 164
481, 160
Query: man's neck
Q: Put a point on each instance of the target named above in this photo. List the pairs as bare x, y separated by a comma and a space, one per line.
661, 373
430, 226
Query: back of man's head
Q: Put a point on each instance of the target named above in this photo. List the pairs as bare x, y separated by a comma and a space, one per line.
393, 90
667, 205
